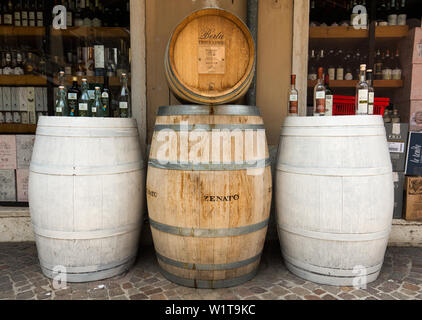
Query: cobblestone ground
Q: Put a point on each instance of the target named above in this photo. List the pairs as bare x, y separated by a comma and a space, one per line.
21, 278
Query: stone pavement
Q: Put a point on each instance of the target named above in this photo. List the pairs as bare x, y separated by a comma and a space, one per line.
21, 278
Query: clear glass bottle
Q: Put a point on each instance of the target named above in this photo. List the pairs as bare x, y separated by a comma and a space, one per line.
125, 110
371, 92
395, 117
319, 95
387, 71
293, 98
61, 104
361, 101
378, 66
83, 101
396, 71
96, 107
106, 98
312, 73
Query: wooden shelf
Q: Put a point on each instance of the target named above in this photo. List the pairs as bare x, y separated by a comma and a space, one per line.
113, 81
340, 32
7, 31
391, 32
353, 83
17, 128
24, 80
94, 32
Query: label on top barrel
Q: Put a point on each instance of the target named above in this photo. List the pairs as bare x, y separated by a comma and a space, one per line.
211, 52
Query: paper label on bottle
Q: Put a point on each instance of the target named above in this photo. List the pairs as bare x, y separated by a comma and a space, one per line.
332, 73
396, 147
312, 76
99, 56
72, 96
91, 94
392, 20
104, 95
293, 97
340, 74
387, 74
40, 15
7, 19
83, 106
395, 177
320, 95
123, 105
371, 97
94, 109
69, 19
396, 129
59, 109
402, 19
363, 95
396, 74
31, 15
348, 76
329, 105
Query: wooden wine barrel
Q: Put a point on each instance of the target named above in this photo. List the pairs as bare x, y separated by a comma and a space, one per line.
209, 194
334, 198
86, 178
210, 58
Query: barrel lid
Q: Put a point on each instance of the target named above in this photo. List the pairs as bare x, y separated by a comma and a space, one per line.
85, 122
335, 121
231, 110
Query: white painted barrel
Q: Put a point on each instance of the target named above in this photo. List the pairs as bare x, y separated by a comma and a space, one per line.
334, 198
86, 189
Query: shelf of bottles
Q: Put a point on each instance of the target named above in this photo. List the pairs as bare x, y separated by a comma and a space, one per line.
342, 67
356, 15
95, 44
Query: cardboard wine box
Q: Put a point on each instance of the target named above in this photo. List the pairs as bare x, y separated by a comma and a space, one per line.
7, 152
22, 177
24, 147
7, 186
398, 180
397, 136
413, 198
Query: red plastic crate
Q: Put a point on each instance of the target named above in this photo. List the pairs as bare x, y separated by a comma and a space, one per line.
345, 105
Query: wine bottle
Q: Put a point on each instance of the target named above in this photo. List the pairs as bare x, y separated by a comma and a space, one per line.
293, 98
361, 102
124, 99
83, 101
319, 95
72, 98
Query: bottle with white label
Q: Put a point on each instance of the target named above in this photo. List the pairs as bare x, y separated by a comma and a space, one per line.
361, 102
387, 69
319, 95
83, 101
96, 107
124, 99
402, 18
61, 104
293, 98
396, 67
371, 92
312, 75
72, 98
329, 97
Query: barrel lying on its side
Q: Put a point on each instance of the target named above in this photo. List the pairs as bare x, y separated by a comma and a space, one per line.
210, 58
86, 178
209, 218
334, 197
